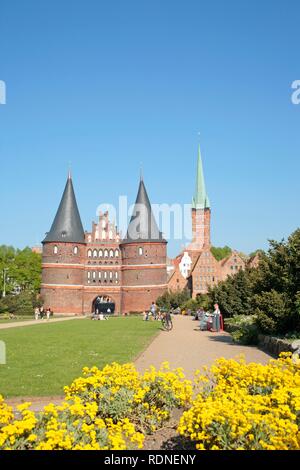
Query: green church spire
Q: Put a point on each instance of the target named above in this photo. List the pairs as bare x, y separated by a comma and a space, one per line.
200, 199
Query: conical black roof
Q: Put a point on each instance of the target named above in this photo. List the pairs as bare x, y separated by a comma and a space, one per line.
142, 226
67, 225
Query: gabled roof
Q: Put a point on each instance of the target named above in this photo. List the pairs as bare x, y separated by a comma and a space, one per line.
142, 226
197, 261
233, 254
67, 225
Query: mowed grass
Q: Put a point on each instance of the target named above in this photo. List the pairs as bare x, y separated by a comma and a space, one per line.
42, 359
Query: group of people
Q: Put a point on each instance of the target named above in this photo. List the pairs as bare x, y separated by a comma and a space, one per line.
210, 321
40, 313
97, 315
153, 313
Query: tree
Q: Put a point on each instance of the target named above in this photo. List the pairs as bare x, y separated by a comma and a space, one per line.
171, 300
221, 253
271, 291
271, 312
23, 269
21, 304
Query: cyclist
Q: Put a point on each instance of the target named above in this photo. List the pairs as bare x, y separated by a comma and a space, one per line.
167, 320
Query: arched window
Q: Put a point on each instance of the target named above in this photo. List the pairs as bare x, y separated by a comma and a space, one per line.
140, 251
111, 253
100, 253
95, 253
105, 275
105, 253
55, 250
116, 275
100, 274
90, 253
117, 253
110, 275
75, 250
110, 235
94, 275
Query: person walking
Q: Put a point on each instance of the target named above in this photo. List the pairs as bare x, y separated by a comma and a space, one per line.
36, 313
153, 310
42, 312
48, 313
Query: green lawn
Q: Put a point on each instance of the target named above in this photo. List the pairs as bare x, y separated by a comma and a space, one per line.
41, 359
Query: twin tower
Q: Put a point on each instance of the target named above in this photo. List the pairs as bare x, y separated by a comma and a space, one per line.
82, 269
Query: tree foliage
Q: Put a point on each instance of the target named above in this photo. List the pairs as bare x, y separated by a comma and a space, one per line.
170, 300
19, 305
221, 253
271, 291
22, 269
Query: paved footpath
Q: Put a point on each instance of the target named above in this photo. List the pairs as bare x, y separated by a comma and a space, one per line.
188, 347
15, 324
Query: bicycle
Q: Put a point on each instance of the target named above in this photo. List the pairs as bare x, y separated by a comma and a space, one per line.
167, 323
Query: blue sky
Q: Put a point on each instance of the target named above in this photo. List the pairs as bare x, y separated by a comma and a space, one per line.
107, 85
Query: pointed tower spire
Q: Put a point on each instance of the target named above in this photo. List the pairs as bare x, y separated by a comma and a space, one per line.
141, 172
142, 225
69, 172
200, 199
67, 225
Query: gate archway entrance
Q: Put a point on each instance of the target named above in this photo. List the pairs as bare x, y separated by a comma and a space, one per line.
103, 304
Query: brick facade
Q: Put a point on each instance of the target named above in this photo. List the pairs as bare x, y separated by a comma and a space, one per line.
131, 275
144, 274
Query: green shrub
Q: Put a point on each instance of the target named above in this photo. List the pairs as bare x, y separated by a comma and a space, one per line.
243, 329
271, 312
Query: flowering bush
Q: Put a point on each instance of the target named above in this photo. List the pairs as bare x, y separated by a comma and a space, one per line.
108, 409
238, 406
246, 406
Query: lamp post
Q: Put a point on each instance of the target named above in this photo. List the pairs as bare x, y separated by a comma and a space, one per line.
4, 282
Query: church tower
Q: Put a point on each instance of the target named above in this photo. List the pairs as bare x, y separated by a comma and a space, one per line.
200, 212
63, 258
144, 270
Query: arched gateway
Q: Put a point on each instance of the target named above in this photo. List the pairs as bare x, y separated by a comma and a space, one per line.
103, 304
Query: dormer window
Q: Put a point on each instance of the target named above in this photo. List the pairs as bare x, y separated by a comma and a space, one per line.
55, 250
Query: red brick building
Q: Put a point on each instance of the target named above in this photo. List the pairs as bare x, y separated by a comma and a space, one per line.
84, 270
